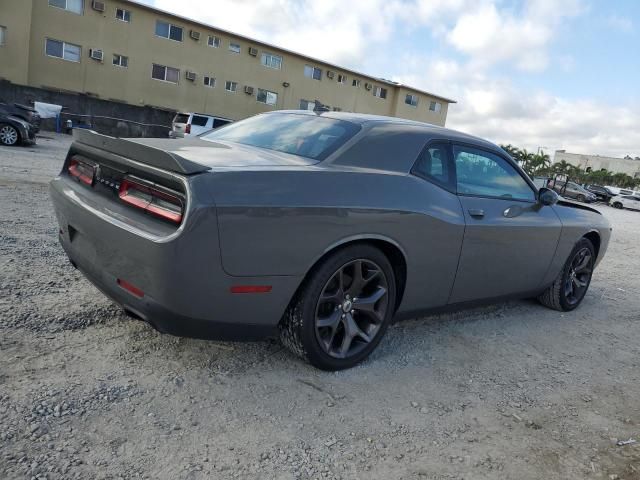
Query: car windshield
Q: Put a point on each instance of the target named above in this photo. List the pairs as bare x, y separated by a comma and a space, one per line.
307, 136
181, 118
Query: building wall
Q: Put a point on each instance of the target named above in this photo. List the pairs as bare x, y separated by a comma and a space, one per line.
596, 162
137, 40
15, 16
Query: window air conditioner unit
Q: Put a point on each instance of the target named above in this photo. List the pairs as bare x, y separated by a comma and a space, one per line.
96, 54
330, 74
367, 86
191, 75
195, 35
253, 51
248, 90
98, 6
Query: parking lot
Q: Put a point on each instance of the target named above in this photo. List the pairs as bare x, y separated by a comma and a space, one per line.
509, 391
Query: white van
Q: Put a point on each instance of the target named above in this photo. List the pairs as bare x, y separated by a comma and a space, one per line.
186, 124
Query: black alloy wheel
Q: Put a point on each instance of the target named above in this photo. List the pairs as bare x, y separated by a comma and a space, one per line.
342, 310
571, 285
578, 276
351, 308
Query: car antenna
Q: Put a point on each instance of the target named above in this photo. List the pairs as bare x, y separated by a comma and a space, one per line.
319, 107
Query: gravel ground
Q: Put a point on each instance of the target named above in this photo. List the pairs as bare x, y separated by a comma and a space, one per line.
512, 391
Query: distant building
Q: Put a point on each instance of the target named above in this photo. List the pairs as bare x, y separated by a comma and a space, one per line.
126, 52
594, 163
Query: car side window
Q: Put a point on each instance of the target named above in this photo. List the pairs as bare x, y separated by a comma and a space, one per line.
433, 164
199, 121
484, 174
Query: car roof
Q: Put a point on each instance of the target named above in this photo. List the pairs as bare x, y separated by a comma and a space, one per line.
368, 119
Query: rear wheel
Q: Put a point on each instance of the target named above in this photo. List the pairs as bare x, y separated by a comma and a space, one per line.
572, 283
342, 311
8, 135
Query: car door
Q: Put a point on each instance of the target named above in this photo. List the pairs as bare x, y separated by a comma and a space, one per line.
509, 237
632, 202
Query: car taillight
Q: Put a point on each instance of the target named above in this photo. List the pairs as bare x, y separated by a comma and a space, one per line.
82, 171
158, 201
187, 128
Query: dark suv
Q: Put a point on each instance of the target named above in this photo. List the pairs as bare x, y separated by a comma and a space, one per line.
25, 112
603, 194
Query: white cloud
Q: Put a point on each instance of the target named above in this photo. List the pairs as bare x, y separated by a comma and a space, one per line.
489, 35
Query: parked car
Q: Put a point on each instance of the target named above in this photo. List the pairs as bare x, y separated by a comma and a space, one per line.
602, 194
25, 112
317, 227
186, 124
620, 191
626, 201
574, 191
15, 130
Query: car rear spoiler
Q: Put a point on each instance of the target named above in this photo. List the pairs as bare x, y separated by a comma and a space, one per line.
136, 151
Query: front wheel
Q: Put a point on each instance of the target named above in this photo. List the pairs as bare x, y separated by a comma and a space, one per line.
571, 284
8, 135
617, 205
581, 198
342, 310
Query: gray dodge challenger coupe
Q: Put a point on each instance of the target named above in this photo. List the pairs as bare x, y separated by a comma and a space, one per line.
319, 227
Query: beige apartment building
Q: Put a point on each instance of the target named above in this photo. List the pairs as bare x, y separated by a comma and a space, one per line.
123, 51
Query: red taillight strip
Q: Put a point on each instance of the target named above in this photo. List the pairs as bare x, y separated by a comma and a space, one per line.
131, 288
75, 171
147, 205
251, 289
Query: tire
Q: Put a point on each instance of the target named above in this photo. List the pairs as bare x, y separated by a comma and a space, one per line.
576, 273
617, 205
317, 329
581, 198
9, 136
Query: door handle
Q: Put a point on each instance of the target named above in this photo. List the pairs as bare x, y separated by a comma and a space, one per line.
476, 212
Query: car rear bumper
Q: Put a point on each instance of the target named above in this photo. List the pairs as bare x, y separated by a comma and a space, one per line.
159, 316
185, 291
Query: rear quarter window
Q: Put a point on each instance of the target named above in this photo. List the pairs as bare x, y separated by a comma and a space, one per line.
181, 118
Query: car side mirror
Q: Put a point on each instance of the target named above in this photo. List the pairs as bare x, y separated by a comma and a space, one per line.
547, 197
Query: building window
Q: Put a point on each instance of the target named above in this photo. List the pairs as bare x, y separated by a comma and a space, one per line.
312, 72
123, 15
230, 86
337, 109
265, 96
307, 105
64, 50
380, 92
234, 47
342, 78
213, 41
120, 61
209, 82
166, 74
3, 35
167, 30
355, 83
75, 6
435, 107
411, 100
272, 61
